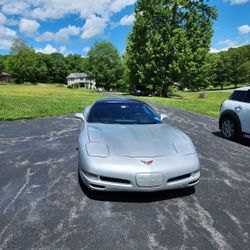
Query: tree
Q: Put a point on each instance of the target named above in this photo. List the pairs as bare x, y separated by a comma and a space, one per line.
237, 70
169, 43
2, 59
220, 64
230, 67
76, 63
57, 68
41, 69
244, 72
21, 64
104, 65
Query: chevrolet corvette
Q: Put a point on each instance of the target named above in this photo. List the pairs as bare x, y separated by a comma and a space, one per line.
124, 145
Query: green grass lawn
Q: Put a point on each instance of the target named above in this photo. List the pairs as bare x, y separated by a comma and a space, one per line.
189, 101
42, 100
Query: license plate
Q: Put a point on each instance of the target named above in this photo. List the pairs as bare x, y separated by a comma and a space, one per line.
149, 179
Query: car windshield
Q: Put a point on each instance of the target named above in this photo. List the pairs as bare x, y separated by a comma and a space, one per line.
123, 113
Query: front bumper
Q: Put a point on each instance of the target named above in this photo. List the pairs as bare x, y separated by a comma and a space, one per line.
167, 173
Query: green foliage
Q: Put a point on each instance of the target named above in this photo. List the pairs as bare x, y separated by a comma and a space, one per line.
231, 67
58, 69
219, 70
170, 43
104, 65
244, 72
21, 63
75, 85
1, 63
76, 63
238, 57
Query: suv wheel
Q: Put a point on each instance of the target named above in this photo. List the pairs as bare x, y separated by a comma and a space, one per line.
229, 128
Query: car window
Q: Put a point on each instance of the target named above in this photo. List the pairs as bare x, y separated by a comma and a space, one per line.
123, 113
247, 97
238, 95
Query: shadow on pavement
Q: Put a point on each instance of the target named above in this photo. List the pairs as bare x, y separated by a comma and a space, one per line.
243, 140
137, 197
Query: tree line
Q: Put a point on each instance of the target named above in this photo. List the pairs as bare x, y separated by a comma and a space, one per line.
230, 67
26, 65
169, 45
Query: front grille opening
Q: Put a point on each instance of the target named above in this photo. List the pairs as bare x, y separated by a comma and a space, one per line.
116, 180
97, 186
179, 178
193, 182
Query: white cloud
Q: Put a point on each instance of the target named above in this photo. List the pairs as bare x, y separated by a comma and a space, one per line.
234, 2
86, 49
214, 50
3, 18
127, 20
7, 36
95, 13
244, 29
63, 50
48, 49
46, 36
118, 5
60, 36
229, 43
56, 9
15, 7
93, 27
28, 27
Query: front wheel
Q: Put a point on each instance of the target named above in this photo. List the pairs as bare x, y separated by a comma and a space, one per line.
229, 128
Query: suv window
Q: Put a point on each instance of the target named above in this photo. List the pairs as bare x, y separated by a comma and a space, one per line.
247, 97
238, 95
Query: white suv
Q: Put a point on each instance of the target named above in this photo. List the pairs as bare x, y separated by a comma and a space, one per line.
235, 114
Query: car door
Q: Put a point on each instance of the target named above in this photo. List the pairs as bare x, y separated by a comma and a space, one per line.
244, 113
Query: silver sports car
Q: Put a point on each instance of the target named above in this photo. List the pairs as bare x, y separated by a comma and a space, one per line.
125, 146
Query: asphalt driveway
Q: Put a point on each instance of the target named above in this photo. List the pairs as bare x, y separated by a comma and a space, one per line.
42, 205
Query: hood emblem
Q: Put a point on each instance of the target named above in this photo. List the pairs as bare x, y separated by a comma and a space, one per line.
148, 163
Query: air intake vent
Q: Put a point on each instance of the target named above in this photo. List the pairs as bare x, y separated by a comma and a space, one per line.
116, 180
179, 178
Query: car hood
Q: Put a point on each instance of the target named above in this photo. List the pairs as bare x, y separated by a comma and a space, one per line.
151, 140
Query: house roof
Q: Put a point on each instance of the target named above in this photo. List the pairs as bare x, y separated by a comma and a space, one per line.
77, 75
4, 74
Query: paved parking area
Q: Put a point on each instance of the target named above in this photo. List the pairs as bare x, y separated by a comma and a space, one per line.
42, 205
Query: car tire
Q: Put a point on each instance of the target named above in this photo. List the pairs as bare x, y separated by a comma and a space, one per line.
229, 128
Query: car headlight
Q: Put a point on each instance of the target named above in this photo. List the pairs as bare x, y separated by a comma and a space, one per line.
96, 149
184, 148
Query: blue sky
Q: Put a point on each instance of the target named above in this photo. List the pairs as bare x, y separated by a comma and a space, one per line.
73, 26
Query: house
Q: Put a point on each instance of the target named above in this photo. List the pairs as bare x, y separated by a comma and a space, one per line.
4, 77
82, 79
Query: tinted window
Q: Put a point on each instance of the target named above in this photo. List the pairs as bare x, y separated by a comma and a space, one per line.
238, 96
247, 97
123, 113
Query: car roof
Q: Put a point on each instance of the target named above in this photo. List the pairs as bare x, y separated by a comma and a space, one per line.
246, 88
119, 101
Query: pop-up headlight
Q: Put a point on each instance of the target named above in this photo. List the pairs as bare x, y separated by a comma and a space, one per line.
95, 149
184, 148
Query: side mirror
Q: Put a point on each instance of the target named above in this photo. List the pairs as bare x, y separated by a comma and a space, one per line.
163, 116
79, 116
